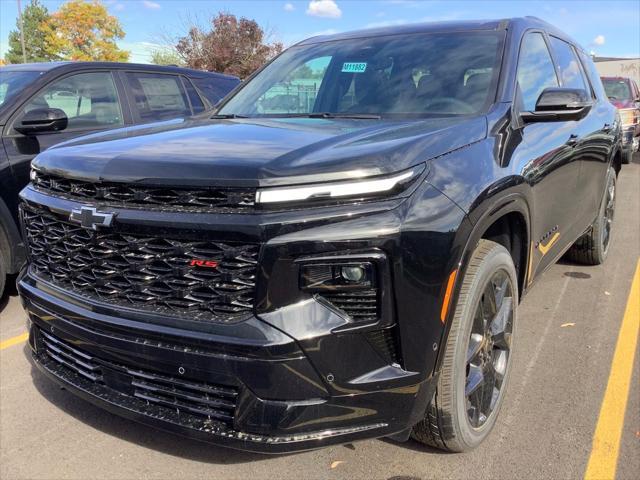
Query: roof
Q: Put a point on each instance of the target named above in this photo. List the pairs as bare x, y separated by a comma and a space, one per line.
613, 59
48, 66
437, 27
33, 67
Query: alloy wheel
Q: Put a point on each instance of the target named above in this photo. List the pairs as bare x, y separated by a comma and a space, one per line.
609, 212
489, 349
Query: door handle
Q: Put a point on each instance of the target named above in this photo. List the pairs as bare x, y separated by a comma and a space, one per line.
573, 140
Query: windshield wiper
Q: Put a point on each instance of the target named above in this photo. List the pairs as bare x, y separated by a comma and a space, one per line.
358, 116
219, 116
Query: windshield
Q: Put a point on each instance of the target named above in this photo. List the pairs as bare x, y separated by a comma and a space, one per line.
617, 89
12, 83
394, 75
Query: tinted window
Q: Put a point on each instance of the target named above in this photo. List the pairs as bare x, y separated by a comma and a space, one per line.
395, 75
594, 76
88, 99
11, 83
196, 102
158, 96
617, 89
569, 69
214, 88
535, 70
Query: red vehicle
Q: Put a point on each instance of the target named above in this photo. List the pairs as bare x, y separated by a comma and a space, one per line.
623, 92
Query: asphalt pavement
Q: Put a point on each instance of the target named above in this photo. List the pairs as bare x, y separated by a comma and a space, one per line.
568, 327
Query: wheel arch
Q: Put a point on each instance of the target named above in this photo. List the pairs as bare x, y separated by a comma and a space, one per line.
510, 212
10, 235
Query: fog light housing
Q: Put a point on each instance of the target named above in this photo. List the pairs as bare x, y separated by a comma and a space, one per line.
352, 274
316, 277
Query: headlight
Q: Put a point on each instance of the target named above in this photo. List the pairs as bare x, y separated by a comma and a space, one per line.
371, 186
32, 174
628, 116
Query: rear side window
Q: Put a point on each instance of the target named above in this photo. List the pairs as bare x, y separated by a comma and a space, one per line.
568, 66
196, 102
215, 88
535, 70
594, 76
158, 96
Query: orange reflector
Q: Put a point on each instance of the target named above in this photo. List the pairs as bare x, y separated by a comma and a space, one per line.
447, 295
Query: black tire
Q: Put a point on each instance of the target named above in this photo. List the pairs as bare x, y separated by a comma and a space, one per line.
489, 285
592, 248
3, 274
4, 260
627, 156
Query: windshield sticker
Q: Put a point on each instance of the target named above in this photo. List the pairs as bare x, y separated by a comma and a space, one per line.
354, 67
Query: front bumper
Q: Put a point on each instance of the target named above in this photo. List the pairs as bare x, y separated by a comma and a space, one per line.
302, 374
104, 359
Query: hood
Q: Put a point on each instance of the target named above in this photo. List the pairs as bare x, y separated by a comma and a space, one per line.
258, 152
620, 104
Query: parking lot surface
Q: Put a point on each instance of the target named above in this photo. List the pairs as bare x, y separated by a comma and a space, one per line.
568, 327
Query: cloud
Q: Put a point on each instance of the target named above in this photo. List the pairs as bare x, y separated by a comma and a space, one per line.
324, 8
151, 5
117, 6
599, 40
328, 31
288, 7
386, 23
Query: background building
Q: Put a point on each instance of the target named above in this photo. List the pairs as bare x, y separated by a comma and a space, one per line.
618, 67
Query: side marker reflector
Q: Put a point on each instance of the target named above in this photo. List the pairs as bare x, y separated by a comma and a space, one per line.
447, 295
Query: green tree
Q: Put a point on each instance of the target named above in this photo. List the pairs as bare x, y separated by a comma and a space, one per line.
166, 57
82, 30
33, 17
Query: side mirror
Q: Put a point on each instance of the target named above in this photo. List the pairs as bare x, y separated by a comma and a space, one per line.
560, 104
41, 120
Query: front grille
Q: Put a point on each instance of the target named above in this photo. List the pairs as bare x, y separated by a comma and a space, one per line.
135, 196
360, 305
150, 273
203, 399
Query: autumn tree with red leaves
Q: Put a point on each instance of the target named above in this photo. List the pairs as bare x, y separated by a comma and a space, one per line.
233, 46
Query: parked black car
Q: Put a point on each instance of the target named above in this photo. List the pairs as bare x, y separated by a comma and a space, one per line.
339, 253
43, 104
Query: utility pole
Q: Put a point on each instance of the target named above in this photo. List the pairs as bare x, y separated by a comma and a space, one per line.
24, 51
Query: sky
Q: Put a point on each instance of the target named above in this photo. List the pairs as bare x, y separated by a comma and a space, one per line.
608, 28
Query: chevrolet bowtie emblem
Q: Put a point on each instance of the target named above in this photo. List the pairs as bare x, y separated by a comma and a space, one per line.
89, 217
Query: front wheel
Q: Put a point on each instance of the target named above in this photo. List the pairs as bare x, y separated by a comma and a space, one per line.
477, 359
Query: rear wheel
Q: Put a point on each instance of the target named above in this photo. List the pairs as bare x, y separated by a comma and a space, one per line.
3, 274
627, 156
4, 259
477, 360
593, 247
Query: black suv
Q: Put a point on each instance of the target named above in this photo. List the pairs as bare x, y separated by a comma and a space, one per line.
338, 253
42, 104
